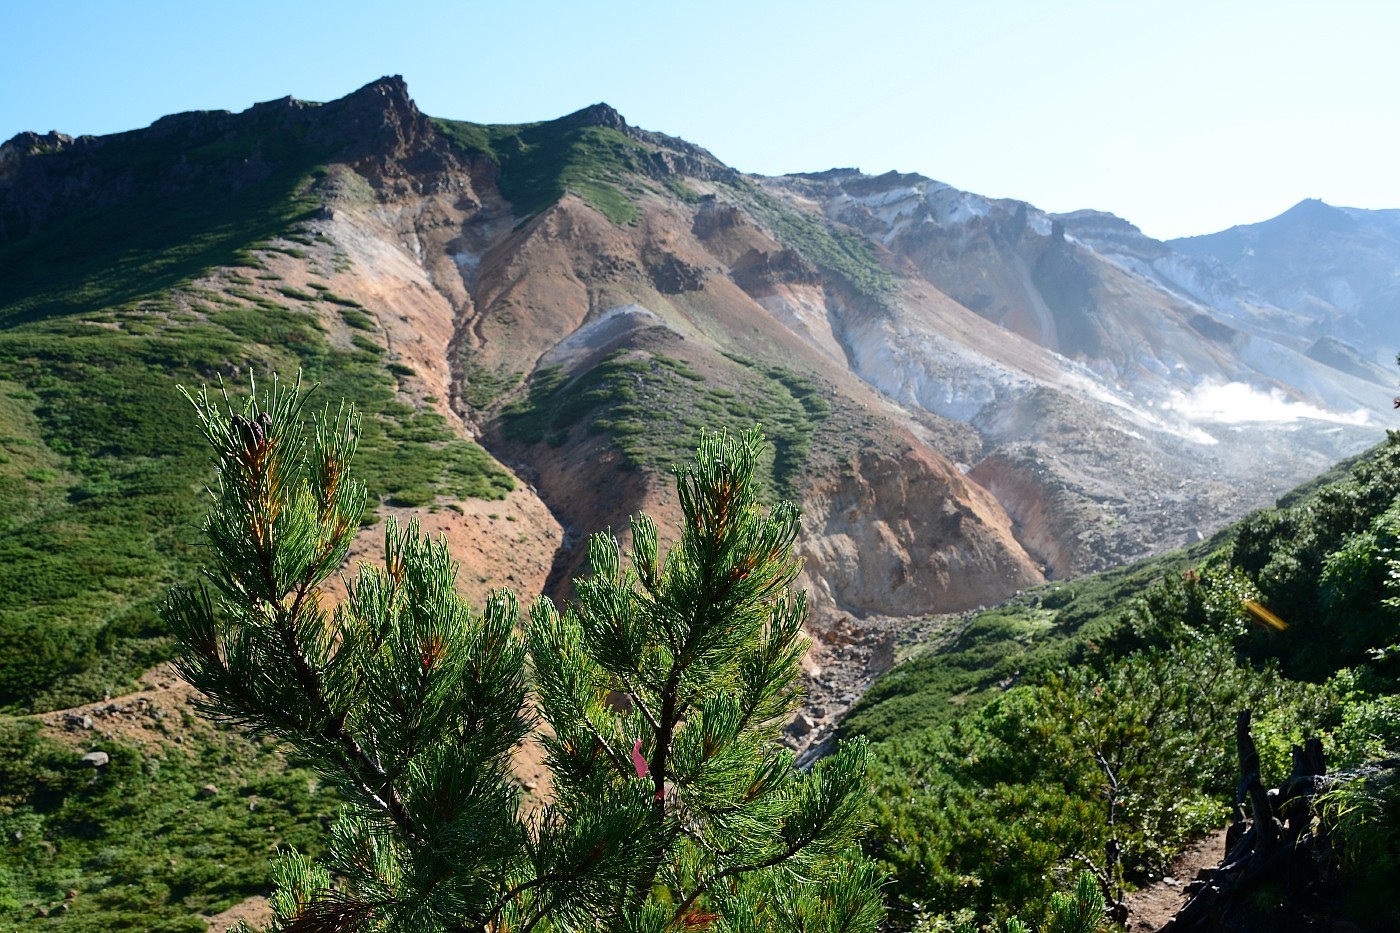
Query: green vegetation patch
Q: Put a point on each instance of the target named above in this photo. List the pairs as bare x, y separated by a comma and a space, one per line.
28, 469
297, 294
358, 319
112, 255
541, 162
846, 254
969, 818
483, 387
654, 408
1132, 679
1329, 565
85, 560
407, 456
333, 298
102, 489
140, 843
1031, 635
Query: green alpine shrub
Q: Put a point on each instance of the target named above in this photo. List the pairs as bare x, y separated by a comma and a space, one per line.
664, 687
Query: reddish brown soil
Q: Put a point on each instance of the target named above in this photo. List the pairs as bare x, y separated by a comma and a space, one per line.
1151, 907
256, 910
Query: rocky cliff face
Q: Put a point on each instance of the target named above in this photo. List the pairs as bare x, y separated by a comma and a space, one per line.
899, 533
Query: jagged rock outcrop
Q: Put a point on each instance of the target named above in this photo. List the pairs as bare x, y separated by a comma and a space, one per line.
377, 131
901, 533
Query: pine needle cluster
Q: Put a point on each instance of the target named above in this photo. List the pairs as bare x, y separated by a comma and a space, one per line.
658, 695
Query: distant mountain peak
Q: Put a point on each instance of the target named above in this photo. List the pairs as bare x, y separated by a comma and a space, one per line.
1332, 264
829, 174
1103, 218
1310, 207
387, 85
389, 93
599, 114
1314, 211
28, 143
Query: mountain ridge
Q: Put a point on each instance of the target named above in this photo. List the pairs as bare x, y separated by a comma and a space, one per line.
1333, 264
579, 296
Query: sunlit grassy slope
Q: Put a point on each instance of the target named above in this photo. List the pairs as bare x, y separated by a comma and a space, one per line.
101, 467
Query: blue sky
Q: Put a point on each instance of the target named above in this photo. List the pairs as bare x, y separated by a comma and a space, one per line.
1184, 117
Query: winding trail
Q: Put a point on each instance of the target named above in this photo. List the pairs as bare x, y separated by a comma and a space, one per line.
1150, 908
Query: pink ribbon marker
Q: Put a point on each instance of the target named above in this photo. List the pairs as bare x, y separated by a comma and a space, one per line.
640, 764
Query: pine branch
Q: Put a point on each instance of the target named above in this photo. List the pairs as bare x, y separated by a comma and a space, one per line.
416, 711
734, 871
624, 768
641, 705
370, 772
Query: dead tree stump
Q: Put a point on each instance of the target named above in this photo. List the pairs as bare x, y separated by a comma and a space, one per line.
1272, 839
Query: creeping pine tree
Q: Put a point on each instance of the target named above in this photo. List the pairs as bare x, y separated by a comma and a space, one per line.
663, 687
